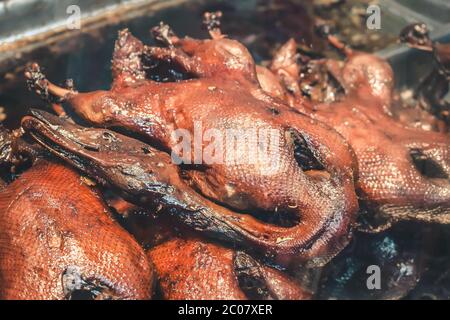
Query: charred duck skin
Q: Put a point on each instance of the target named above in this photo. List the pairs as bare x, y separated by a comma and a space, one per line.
433, 89
313, 179
57, 241
402, 172
146, 176
198, 270
14, 149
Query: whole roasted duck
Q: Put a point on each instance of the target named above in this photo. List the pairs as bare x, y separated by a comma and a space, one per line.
310, 185
403, 172
58, 241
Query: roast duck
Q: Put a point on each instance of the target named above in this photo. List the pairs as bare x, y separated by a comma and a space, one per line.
232, 228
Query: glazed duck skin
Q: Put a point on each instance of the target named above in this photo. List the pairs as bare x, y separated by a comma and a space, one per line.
403, 172
145, 175
198, 270
57, 241
316, 188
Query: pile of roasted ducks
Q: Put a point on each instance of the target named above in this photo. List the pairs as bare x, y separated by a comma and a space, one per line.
99, 208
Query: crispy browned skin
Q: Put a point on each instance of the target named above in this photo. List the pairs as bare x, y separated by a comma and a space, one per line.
146, 176
198, 270
403, 172
57, 241
317, 189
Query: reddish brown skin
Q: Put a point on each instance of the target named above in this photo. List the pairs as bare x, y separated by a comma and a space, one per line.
270, 83
284, 65
198, 270
225, 93
188, 267
148, 177
52, 227
387, 180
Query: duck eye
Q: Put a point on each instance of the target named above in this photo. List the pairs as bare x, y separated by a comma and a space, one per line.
426, 166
